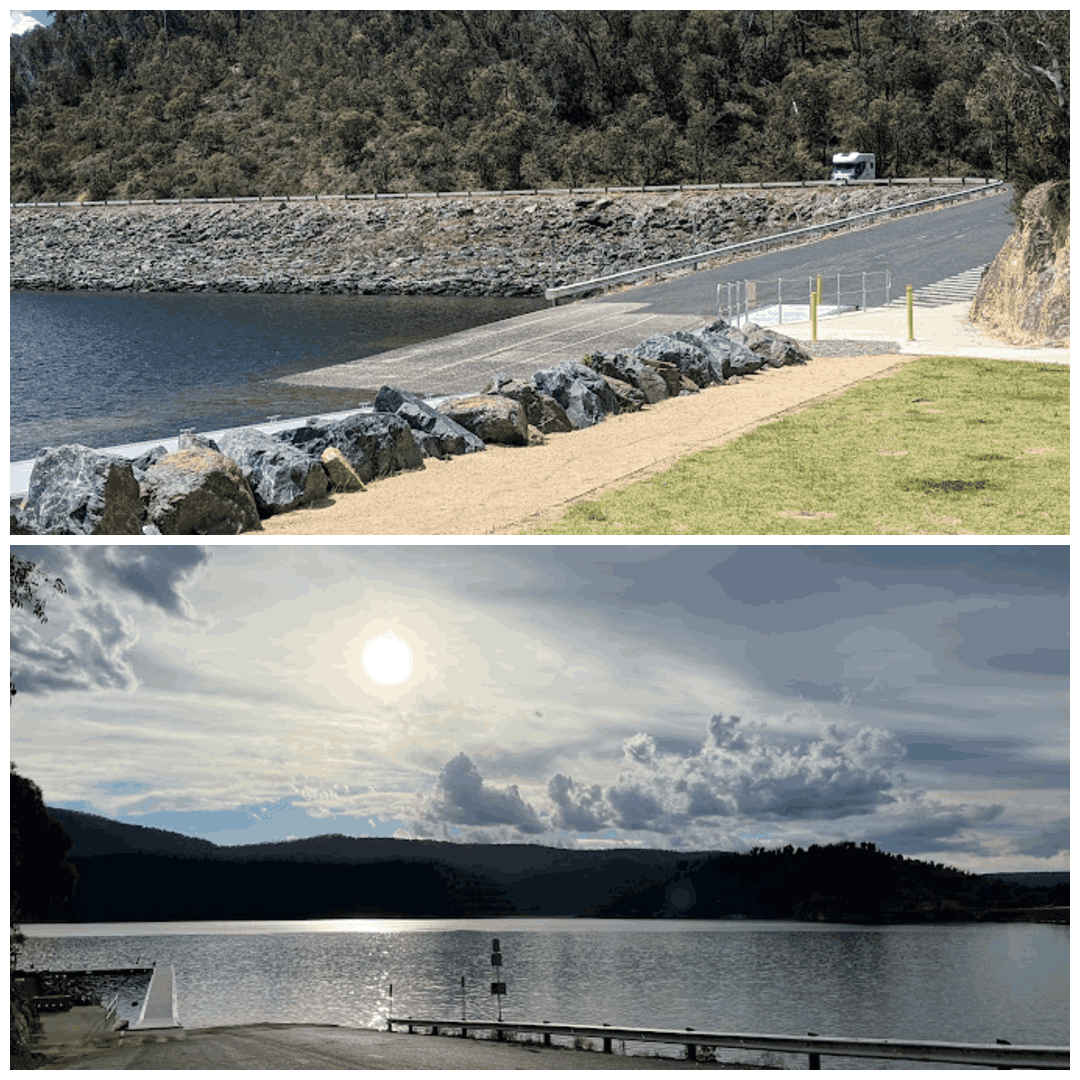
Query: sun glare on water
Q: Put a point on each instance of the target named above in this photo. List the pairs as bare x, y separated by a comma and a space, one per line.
387, 659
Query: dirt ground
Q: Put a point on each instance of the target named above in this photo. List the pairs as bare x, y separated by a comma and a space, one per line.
517, 490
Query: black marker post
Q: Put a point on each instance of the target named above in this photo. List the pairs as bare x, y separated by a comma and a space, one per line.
498, 988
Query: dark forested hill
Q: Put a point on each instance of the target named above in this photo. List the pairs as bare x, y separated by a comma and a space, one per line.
131, 873
138, 104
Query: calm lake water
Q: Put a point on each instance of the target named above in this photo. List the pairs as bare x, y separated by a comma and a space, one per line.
973, 983
106, 369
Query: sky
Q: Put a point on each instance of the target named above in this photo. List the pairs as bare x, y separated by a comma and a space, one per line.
686, 697
21, 21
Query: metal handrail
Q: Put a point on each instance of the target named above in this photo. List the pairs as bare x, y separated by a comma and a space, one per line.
1000, 1055
752, 294
625, 276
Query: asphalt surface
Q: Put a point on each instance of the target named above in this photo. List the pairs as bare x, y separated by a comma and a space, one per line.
919, 249
309, 1046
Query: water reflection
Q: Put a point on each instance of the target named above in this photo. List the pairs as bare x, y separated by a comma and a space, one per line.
106, 369
955, 983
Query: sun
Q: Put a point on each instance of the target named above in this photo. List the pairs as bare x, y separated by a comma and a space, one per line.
387, 659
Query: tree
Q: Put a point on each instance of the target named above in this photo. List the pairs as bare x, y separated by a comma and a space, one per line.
948, 110
1032, 53
42, 880
40, 875
27, 583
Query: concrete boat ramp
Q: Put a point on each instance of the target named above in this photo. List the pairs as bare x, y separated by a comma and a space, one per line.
461, 363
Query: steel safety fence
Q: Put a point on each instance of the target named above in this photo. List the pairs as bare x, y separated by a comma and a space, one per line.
774, 301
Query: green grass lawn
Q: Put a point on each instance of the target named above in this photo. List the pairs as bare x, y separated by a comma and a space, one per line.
946, 445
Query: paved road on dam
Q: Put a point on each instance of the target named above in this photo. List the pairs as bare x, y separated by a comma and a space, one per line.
919, 249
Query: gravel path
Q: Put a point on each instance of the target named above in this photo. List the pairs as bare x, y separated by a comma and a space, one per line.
850, 348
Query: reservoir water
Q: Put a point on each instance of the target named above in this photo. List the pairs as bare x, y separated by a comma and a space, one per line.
106, 369
961, 983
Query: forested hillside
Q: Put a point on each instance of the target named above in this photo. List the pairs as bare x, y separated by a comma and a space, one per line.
153, 104
128, 872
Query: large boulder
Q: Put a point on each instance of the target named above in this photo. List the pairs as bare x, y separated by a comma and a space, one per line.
374, 444
686, 353
198, 492
777, 350
635, 371
77, 491
140, 464
674, 380
340, 474
491, 417
437, 435
629, 398
725, 348
582, 392
281, 477
542, 411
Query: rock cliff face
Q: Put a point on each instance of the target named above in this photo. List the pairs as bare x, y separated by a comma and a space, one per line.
1024, 295
481, 246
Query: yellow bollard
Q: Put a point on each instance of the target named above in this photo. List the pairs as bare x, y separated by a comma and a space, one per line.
819, 290
813, 316
910, 314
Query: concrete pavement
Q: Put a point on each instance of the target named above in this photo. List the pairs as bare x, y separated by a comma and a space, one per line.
311, 1046
462, 363
939, 331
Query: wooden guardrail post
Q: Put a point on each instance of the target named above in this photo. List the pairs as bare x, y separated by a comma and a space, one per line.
815, 1059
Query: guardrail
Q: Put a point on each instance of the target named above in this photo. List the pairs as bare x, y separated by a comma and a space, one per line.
626, 276
1000, 1055
929, 181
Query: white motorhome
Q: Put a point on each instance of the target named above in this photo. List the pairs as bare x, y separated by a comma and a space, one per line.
853, 166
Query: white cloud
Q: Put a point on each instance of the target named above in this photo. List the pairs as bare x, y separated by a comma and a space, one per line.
462, 798
741, 772
22, 22
558, 695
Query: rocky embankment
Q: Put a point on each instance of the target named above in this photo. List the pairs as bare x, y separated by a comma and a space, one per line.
1024, 294
227, 486
459, 246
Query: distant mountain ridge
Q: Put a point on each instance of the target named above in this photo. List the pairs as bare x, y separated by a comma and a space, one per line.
1036, 879
131, 872
97, 835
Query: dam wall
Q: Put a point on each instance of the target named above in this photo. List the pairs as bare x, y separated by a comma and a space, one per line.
454, 245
